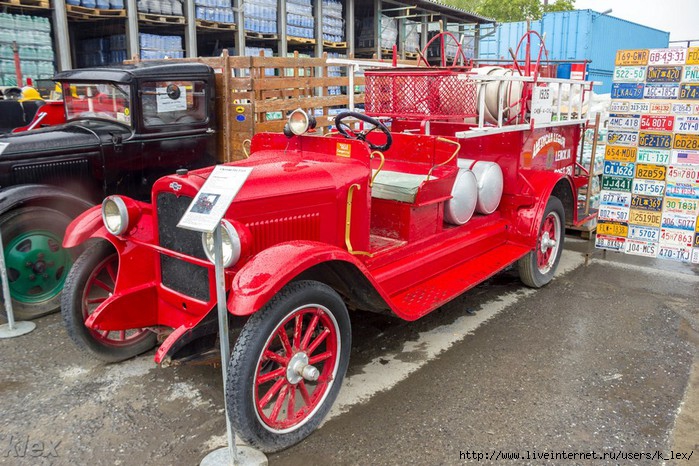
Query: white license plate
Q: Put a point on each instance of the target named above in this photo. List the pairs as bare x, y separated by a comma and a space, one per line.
648, 187
682, 174
691, 74
624, 123
687, 124
676, 238
682, 108
655, 156
678, 205
684, 190
630, 74
695, 256
661, 91
642, 233
675, 254
613, 213
639, 107
659, 108
671, 56
679, 221
685, 157
615, 198
619, 106
613, 243
641, 248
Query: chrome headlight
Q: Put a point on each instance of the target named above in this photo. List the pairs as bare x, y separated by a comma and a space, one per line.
300, 122
115, 215
231, 244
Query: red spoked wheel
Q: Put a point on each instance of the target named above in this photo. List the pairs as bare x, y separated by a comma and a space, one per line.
536, 269
287, 366
90, 282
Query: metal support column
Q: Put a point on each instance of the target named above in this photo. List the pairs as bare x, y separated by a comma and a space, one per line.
240, 27
281, 24
476, 40
349, 27
190, 32
377, 28
133, 48
60, 29
401, 38
318, 13
424, 32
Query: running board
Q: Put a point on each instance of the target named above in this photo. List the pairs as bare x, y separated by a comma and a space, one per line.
428, 295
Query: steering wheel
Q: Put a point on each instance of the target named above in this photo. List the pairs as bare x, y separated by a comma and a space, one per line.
347, 132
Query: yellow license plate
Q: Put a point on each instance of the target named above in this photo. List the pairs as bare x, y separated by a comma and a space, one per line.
612, 229
631, 57
686, 141
650, 171
620, 154
693, 56
648, 219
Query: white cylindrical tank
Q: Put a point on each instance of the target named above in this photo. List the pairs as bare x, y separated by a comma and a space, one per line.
459, 209
490, 183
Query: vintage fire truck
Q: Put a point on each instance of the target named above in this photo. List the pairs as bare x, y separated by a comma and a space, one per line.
451, 175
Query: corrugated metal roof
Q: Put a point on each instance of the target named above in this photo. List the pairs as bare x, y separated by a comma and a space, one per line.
467, 16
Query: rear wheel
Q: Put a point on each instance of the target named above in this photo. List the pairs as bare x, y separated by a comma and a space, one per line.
287, 366
536, 269
36, 262
90, 282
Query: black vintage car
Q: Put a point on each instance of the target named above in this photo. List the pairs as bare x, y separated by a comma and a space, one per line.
126, 127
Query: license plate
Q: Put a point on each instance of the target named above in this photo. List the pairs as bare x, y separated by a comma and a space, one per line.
659, 108
613, 243
620, 154
682, 108
683, 190
679, 221
657, 156
631, 57
678, 238
627, 90
639, 107
625, 169
616, 184
650, 171
685, 157
682, 174
661, 91
687, 124
657, 122
691, 74
659, 140
664, 74
686, 141
676, 205
671, 56
676, 254
648, 219
630, 74
648, 187
692, 56
641, 248
622, 138
696, 241
612, 229
695, 256
689, 91
619, 122
642, 233
615, 198
614, 214
647, 203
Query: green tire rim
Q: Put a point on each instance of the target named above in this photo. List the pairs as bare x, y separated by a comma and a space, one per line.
37, 266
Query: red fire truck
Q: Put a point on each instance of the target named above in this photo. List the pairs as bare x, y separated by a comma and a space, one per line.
451, 175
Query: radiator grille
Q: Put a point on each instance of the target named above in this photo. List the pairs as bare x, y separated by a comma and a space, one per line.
178, 275
269, 232
51, 172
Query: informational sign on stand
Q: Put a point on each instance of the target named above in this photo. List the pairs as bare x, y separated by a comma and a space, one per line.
650, 184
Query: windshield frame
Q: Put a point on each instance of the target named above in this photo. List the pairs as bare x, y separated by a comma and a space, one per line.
80, 104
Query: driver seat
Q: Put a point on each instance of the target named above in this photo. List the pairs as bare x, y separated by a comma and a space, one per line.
397, 186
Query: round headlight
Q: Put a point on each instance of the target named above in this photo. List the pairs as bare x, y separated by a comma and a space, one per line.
115, 215
231, 244
298, 122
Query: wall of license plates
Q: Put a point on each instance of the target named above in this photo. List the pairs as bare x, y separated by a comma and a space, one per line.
649, 201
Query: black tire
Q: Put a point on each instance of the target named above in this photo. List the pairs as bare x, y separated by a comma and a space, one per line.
531, 272
97, 264
259, 427
35, 282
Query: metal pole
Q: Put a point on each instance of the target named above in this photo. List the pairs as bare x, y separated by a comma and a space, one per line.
349, 27
12, 328
134, 48
190, 33
60, 29
240, 30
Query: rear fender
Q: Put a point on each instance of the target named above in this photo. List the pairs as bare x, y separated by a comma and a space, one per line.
544, 185
270, 270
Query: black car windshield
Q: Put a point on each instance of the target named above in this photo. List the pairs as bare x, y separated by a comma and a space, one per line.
109, 101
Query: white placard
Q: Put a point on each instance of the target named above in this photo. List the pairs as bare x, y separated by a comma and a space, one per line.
3, 146
164, 103
542, 105
208, 207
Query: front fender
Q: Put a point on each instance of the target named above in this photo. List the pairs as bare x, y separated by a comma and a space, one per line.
543, 184
270, 270
84, 227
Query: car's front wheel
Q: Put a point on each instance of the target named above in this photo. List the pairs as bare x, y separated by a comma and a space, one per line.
536, 269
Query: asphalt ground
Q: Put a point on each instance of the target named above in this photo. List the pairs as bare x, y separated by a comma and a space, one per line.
599, 361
